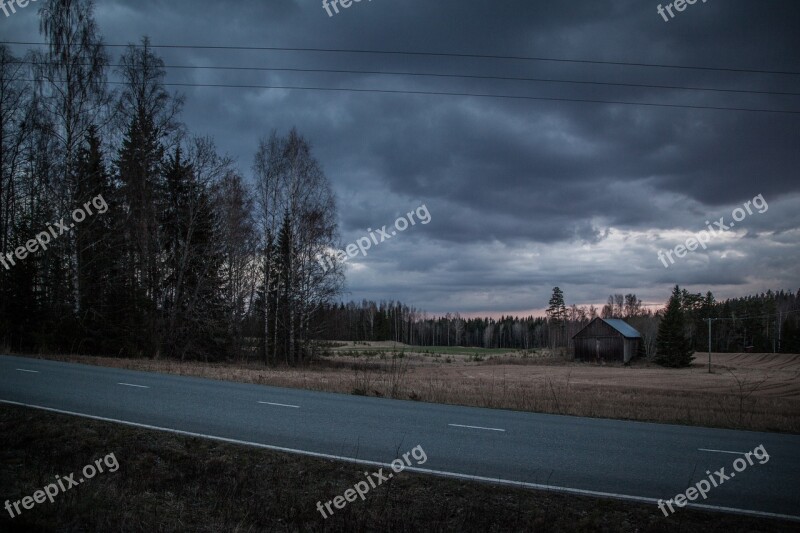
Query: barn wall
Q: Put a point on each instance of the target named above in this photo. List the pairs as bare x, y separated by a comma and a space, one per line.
631, 349
607, 348
599, 341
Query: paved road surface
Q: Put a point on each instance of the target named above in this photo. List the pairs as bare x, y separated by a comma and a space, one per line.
635, 460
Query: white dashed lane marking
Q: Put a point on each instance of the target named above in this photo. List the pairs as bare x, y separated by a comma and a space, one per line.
720, 451
280, 405
475, 427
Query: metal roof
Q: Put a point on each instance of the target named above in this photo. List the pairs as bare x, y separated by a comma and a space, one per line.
623, 327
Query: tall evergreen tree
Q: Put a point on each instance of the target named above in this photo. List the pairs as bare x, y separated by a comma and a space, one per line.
202, 303
557, 313
285, 292
673, 348
95, 238
140, 166
238, 247
193, 294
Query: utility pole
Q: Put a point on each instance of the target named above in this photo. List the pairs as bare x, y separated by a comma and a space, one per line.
776, 348
709, 345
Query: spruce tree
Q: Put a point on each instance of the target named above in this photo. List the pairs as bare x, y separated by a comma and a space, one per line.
97, 246
139, 168
673, 348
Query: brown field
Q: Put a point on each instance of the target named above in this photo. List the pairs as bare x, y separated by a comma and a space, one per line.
744, 391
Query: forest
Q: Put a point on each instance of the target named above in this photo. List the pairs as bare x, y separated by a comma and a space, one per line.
193, 258
188, 249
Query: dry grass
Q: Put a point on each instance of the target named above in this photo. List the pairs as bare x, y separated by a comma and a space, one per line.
167, 482
745, 391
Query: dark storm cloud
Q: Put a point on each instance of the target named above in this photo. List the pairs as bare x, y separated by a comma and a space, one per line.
523, 195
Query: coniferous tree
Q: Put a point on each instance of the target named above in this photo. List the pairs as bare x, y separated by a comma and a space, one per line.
175, 231
139, 166
673, 348
557, 313
204, 307
790, 337
237, 249
285, 291
95, 240
193, 304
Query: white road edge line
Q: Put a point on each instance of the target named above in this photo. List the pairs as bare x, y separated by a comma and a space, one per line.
523, 484
720, 451
280, 405
31, 371
476, 427
132, 385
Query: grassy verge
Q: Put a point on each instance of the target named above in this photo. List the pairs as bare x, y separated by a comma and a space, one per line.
763, 402
168, 482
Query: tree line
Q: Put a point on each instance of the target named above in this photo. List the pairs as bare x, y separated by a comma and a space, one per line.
761, 323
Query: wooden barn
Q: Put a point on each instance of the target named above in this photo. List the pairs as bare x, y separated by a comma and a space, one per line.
606, 339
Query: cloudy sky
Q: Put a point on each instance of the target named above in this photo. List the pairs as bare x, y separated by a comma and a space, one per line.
523, 194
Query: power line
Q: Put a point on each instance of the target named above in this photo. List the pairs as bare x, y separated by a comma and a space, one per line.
710, 320
476, 95
430, 54
465, 76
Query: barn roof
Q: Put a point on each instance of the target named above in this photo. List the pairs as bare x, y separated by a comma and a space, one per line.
623, 327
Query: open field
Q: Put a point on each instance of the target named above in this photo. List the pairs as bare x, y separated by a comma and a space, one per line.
167, 482
744, 391
342, 348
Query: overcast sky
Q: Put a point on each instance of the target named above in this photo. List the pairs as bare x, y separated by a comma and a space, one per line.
523, 194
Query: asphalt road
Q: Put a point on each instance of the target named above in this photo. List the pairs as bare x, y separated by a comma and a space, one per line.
630, 460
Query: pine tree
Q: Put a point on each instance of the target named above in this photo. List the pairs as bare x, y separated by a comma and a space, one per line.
673, 348
557, 312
